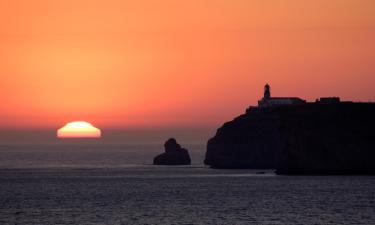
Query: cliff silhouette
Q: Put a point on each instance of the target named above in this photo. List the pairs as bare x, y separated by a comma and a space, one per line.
249, 141
325, 137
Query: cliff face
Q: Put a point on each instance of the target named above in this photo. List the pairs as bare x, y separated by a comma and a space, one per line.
249, 141
305, 139
327, 139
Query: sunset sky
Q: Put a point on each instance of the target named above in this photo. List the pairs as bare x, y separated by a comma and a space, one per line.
174, 63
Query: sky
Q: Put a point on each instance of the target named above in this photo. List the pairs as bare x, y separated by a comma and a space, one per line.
173, 64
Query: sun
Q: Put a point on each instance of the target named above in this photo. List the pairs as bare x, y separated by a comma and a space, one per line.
78, 129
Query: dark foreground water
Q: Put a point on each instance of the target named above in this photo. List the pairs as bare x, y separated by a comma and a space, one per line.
143, 194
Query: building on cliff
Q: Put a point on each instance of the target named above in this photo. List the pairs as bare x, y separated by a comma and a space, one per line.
328, 100
268, 101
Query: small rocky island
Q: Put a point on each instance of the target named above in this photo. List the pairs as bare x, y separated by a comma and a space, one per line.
173, 155
298, 137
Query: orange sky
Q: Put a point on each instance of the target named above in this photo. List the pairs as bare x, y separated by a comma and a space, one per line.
160, 63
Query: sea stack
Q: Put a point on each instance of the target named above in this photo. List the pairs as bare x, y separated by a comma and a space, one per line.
173, 155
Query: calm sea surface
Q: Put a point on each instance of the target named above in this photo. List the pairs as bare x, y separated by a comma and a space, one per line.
116, 184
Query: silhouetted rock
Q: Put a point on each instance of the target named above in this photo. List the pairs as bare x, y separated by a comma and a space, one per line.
313, 138
327, 139
249, 141
174, 154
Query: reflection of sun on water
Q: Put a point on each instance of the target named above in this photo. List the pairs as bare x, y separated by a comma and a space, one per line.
78, 129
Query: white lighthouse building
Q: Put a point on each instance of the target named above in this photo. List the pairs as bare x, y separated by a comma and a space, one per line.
268, 101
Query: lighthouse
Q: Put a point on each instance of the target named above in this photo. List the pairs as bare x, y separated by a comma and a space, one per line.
268, 101
267, 91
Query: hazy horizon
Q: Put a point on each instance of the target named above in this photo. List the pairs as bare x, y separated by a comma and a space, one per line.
110, 136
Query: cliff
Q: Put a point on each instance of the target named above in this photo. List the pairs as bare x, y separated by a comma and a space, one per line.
249, 141
327, 139
311, 138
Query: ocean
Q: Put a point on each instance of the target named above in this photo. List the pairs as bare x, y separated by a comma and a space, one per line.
116, 184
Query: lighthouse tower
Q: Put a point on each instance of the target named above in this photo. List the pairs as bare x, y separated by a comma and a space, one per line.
267, 92
268, 101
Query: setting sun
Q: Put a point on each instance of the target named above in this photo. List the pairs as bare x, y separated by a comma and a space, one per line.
78, 129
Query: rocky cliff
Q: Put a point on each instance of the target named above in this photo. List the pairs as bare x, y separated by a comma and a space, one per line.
306, 139
249, 141
327, 139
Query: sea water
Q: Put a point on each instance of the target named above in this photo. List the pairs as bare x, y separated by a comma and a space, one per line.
116, 184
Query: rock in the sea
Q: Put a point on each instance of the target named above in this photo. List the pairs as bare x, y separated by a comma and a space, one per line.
174, 154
